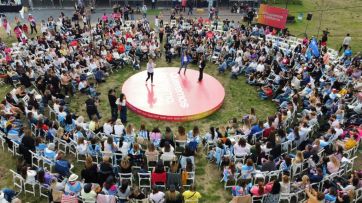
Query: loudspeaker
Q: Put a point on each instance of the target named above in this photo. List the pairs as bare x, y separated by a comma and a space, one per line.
309, 16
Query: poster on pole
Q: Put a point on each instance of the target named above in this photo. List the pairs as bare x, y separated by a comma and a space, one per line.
272, 16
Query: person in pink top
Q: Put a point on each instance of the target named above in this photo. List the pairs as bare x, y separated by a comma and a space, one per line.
261, 189
32, 23
105, 18
155, 136
18, 32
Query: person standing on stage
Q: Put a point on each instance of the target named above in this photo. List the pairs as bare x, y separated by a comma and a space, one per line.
202, 64
121, 103
150, 66
185, 60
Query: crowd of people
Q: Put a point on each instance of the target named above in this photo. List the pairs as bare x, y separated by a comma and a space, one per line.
306, 148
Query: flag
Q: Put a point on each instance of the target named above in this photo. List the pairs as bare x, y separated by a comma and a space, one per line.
313, 46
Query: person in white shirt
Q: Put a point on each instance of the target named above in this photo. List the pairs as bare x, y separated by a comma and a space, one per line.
118, 128
260, 67
157, 196
346, 42
241, 148
108, 127
150, 68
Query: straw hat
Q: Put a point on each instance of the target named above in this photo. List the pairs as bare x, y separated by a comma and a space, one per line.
73, 177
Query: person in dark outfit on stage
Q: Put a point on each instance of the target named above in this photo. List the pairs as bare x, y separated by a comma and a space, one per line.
202, 64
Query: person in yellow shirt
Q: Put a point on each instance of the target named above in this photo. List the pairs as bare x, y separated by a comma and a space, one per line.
191, 195
350, 143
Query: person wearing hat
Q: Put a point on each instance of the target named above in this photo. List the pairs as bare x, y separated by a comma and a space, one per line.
173, 196
73, 187
88, 194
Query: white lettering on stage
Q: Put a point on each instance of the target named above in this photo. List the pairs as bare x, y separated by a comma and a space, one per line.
178, 90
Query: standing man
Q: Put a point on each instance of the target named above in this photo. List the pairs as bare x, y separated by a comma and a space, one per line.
32, 23
190, 5
153, 4
185, 60
202, 64
346, 42
144, 10
150, 68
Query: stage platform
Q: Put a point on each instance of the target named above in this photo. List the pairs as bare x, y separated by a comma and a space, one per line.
173, 96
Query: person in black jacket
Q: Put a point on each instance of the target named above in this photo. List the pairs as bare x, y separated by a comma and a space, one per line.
202, 64
27, 143
90, 171
112, 103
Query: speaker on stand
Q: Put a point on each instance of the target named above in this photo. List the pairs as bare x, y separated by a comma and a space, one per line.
309, 18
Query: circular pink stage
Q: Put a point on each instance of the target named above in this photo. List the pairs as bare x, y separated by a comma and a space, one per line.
173, 97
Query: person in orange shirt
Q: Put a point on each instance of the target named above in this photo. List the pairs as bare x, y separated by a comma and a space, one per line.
121, 48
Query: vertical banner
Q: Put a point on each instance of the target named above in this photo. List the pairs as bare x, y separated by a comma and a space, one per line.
272, 16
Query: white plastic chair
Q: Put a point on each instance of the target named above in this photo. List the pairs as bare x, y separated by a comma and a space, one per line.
126, 176
18, 181
144, 180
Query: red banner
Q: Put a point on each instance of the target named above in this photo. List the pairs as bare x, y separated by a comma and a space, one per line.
272, 16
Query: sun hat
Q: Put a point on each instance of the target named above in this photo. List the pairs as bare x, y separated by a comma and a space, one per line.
73, 177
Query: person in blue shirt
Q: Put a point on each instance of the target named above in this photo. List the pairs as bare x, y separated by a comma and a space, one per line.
255, 129
331, 196
185, 60
316, 177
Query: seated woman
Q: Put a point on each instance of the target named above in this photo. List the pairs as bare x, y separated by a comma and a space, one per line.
125, 166
109, 145
158, 175
50, 152
151, 154
142, 135
242, 188
155, 136
109, 186
136, 154
94, 125
105, 170
124, 191
247, 169
167, 152
229, 173
285, 184
136, 194
90, 172
69, 123
82, 146
261, 189
241, 148
301, 185
333, 164
93, 148
119, 128
168, 137
129, 135
73, 187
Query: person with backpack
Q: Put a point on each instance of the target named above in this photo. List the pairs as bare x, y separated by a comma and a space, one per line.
191, 195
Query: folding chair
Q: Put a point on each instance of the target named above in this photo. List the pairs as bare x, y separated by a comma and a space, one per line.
2, 140
48, 162
35, 159
144, 180
286, 197
44, 190
126, 176
190, 179
29, 187
18, 181
358, 195
14, 149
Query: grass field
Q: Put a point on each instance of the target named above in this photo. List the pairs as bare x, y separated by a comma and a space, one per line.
339, 17
240, 97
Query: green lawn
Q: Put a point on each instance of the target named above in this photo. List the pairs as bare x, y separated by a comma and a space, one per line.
337, 20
